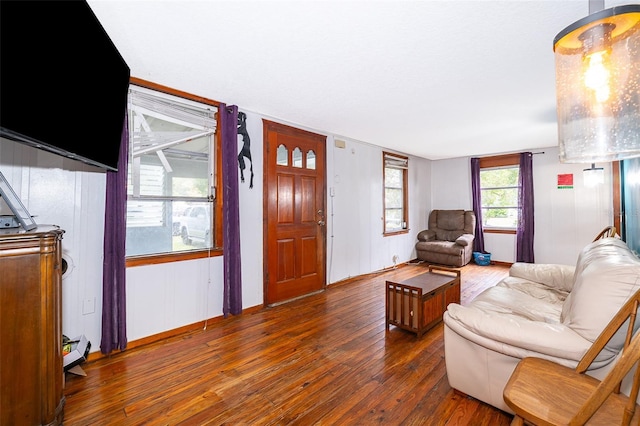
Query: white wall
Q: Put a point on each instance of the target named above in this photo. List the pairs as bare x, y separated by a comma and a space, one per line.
565, 219
167, 296
71, 195
355, 240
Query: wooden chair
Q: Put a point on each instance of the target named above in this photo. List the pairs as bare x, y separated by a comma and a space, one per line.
609, 231
541, 392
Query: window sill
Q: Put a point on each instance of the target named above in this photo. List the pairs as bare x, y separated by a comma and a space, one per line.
392, 233
171, 257
499, 231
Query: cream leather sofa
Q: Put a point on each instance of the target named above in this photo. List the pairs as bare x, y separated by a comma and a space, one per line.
542, 310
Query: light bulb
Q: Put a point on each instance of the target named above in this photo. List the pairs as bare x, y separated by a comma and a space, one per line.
596, 42
597, 75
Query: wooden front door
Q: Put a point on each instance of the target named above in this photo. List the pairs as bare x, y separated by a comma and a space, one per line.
295, 212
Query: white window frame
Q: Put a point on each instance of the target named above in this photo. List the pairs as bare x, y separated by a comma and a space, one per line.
395, 162
507, 161
178, 107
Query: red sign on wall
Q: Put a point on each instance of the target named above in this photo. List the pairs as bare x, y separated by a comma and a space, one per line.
565, 181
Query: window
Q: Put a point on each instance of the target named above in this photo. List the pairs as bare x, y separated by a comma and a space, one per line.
395, 193
499, 191
171, 197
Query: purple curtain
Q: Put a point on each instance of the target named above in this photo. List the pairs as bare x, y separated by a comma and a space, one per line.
114, 307
232, 297
478, 241
524, 234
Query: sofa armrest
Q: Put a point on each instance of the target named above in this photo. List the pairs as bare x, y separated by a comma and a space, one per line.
465, 240
426, 235
518, 337
552, 275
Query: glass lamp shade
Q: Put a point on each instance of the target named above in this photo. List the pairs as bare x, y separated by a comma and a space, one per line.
598, 86
593, 176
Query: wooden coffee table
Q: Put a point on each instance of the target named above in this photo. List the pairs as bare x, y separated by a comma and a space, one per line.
418, 303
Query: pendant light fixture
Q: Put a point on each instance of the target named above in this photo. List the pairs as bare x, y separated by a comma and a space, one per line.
593, 176
598, 86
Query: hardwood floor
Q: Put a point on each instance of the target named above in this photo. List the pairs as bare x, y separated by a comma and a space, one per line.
326, 359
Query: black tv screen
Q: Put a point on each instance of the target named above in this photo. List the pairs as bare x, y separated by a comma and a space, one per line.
63, 83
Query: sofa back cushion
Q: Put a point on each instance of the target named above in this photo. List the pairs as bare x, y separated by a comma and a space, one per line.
451, 224
607, 274
443, 235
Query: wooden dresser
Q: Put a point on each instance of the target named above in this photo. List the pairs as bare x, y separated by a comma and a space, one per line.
31, 374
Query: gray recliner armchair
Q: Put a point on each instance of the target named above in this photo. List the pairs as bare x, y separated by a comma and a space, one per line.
449, 239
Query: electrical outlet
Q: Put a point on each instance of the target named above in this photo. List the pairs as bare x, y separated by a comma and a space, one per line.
88, 305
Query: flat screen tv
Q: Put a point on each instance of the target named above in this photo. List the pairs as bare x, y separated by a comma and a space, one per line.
63, 83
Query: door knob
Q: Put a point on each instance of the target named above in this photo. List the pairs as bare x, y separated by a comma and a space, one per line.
321, 222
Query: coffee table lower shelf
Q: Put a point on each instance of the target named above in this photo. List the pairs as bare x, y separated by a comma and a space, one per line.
417, 304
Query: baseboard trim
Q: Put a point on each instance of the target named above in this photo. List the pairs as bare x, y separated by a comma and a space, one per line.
360, 277
498, 262
175, 332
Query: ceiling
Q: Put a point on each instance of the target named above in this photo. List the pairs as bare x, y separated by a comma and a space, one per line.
434, 79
